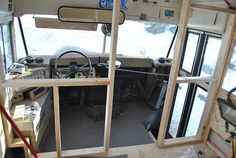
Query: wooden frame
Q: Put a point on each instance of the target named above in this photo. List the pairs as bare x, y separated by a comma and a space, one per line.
222, 64
56, 83
185, 11
10, 141
173, 80
214, 81
111, 73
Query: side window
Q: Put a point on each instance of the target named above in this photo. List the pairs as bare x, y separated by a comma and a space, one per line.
190, 99
1, 46
229, 80
211, 52
5, 46
190, 51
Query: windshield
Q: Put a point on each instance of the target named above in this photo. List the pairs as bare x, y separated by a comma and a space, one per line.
135, 39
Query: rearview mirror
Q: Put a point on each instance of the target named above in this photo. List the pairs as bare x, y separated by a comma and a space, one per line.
87, 15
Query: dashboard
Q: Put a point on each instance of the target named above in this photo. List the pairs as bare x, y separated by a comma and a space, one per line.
99, 64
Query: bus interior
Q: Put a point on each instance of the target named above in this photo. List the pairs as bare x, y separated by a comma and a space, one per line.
118, 78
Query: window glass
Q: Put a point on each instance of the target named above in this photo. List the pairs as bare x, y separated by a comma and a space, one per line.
210, 57
190, 52
1, 45
19, 41
7, 45
142, 39
230, 76
178, 108
196, 113
145, 39
41, 41
171, 55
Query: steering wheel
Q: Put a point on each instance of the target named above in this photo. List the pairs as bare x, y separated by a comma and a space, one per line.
73, 68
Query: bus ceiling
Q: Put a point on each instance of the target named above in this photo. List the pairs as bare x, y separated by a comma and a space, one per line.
148, 10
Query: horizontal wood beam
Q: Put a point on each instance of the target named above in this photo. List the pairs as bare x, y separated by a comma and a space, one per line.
75, 152
56, 82
213, 8
195, 79
216, 149
181, 141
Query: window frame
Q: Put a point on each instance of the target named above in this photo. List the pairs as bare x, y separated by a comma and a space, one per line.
192, 87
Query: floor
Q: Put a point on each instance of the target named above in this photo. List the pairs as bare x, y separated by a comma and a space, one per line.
80, 131
128, 136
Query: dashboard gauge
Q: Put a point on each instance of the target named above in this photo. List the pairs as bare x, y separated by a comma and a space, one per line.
29, 59
38, 60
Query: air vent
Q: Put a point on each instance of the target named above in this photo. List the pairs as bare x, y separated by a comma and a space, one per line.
10, 7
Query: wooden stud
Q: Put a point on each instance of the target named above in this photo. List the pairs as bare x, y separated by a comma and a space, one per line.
185, 12
195, 79
179, 141
56, 82
215, 149
84, 152
57, 120
26, 152
111, 73
226, 46
5, 102
76, 152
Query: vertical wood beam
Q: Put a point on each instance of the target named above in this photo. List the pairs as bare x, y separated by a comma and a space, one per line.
221, 66
185, 11
111, 73
5, 103
57, 121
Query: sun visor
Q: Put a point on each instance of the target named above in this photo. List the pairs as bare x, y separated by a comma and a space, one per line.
54, 23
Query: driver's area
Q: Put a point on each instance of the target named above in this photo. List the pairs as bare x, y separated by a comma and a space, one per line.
75, 65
